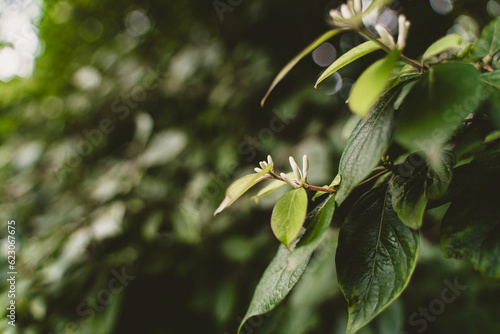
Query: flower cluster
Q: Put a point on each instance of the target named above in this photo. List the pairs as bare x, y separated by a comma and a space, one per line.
351, 13
347, 11
264, 164
300, 175
386, 37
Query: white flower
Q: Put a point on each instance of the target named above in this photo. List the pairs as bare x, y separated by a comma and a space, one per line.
403, 27
300, 175
264, 164
352, 9
385, 36
289, 180
388, 40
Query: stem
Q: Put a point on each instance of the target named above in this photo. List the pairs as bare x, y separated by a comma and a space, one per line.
306, 185
328, 190
365, 33
372, 178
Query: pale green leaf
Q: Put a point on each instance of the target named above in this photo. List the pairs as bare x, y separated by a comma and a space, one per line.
320, 40
347, 58
445, 43
288, 216
273, 186
288, 266
239, 187
371, 84
319, 193
375, 257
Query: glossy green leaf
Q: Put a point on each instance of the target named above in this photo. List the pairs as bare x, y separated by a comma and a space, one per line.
471, 226
375, 258
347, 58
492, 78
288, 266
320, 40
436, 105
368, 142
288, 216
371, 84
317, 285
271, 187
489, 42
415, 182
443, 44
240, 186
467, 178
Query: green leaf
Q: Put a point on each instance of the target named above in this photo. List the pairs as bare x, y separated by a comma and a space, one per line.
240, 186
375, 258
371, 84
288, 266
368, 142
320, 40
492, 137
415, 182
473, 176
471, 226
347, 58
288, 216
491, 78
445, 43
273, 186
489, 42
436, 105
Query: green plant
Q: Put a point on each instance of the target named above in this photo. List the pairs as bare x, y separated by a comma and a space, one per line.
443, 112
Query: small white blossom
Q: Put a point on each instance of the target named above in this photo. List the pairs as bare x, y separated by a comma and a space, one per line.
305, 168
403, 27
358, 7
289, 180
385, 36
264, 164
296, 171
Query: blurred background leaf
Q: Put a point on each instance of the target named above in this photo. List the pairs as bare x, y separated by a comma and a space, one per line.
122, 124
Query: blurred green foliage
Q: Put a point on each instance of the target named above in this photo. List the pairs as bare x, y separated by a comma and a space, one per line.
117, 150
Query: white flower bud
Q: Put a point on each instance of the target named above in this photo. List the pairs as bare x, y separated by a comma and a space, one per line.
335, 15
305, 168
385, 36
358, 7
263, 164
296, 170
269, 160
288, 180
346, 12
404, 26
257, 170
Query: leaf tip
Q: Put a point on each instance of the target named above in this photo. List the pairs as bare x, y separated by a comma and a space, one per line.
263, 101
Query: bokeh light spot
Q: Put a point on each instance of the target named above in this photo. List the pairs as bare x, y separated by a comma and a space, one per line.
137, 23
87, 78
442, 7
324, 54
